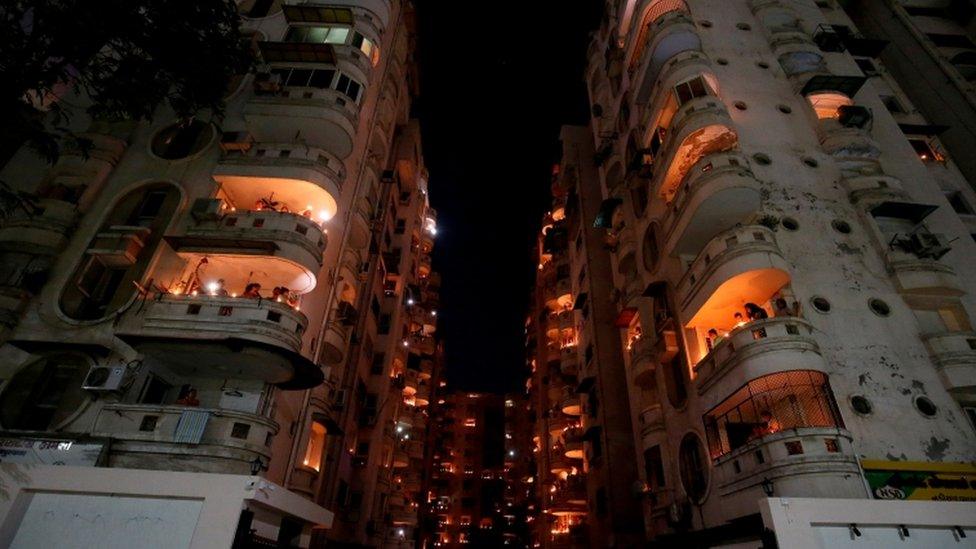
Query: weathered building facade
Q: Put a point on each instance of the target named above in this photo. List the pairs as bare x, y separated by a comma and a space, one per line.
750, 269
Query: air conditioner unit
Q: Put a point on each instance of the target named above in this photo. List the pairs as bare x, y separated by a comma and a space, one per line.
207, 209
104, 378
928, 245
236, 141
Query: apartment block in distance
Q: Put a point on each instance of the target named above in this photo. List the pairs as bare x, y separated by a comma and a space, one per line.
754, 269
234, 327
467, 488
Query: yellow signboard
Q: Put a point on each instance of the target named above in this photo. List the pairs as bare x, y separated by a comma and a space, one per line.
917, 480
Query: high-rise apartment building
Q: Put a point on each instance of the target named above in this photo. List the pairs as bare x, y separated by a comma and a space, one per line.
754, 282
239, 321
467, 489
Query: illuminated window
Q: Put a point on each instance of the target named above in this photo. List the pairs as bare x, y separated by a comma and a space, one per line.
827, 104
316, 445
470, 422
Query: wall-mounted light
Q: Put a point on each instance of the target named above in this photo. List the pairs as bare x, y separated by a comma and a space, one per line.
855, 532
257, 466
767, 487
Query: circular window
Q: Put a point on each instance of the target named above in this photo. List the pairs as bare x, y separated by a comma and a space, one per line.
785, 109
762, 159
841, 226
790, 224
693, 468
925, 406
821, 304
705, 23
743, 26
861, 404
762, 64
722, 61
741, 105
182, 139
879, 307
810, 162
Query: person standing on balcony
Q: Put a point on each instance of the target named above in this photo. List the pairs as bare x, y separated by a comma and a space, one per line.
252, 290
756, 312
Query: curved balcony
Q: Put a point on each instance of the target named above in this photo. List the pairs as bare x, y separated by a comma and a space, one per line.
569, 402
400, 459
411, 380
559, 423
286, 246
559, 463
422, 398
415, 449
424, 266
360, 228
573, 443
380, 9
410, 481
651, 421
334, 343
423, 344
569, 363
644, 358
874, 189
43, 231
558, 295
297, 175
741, 265
144, 436
718, 193
954, 355
813, 462
852, 147
699, 128
219, 336
325, 118
672, 34
562, 320
922, 276
403, 517
756, 349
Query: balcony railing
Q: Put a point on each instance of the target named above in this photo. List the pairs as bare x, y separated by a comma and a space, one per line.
149, 436
248, 228
954, 354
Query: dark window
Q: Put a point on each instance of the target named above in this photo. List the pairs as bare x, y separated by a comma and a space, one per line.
240, 430
654, 468
951, 41
686, 91
148, 423
378, 361
959, 203
154, 390
692, 467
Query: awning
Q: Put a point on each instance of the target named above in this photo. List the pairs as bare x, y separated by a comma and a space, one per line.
604, 219
580, 301
903, 210
318, 14
922, 129
847, 85
297, 52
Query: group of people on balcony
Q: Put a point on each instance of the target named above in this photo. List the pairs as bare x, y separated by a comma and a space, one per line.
269, 203
780, 305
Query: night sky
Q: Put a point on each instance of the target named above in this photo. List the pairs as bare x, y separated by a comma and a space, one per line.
497, 81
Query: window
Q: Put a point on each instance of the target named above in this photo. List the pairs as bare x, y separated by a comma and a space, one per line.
691, 89
925, 151
182, 139
316, 446
154, 390
654, 468
692, 467
305, 78
892, 104
349, 87
318, 35
770, 404
366, 46
959, 203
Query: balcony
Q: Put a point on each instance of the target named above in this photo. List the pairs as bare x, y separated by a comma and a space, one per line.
874, 189
741, 265
718, 193
569, 402
699, 128
43, 231
651, 421
361, 227
673, 33
848, 142
296, 175
325, 118
758, 348
644, 361
954, 355
334, 342
148, 436
811, 462
411, 380
423, 344
573, 442
559, 422
223, 336
400, 458
415, 449
286, 246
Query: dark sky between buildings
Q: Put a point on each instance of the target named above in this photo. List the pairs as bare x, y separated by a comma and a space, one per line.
497, 80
